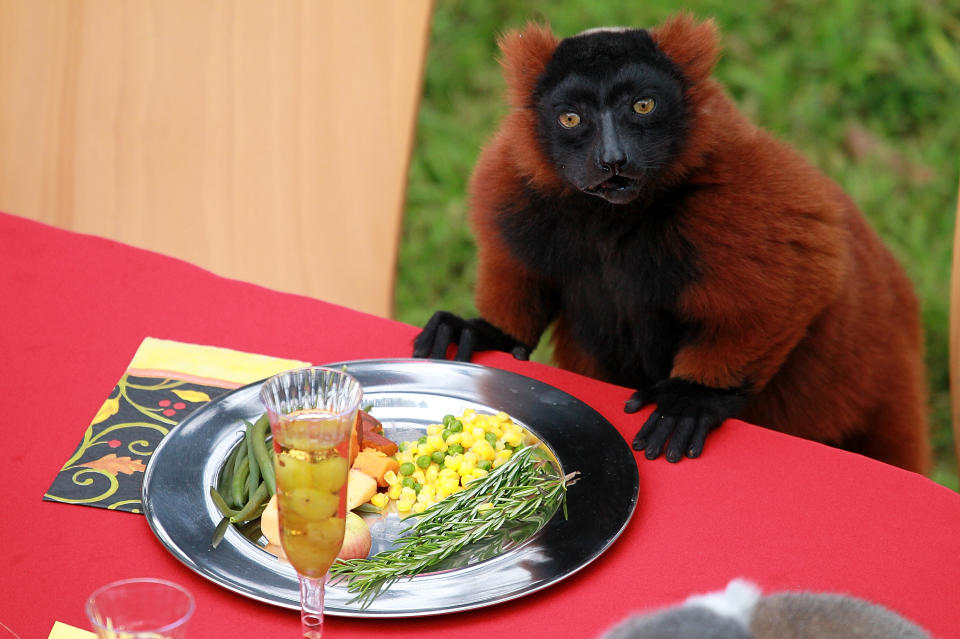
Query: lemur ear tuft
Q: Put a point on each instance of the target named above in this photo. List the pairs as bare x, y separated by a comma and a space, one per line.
525, 55
692, 45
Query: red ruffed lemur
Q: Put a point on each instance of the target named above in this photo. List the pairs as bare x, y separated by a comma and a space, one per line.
679, 250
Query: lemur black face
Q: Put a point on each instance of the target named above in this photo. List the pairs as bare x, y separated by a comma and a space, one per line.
611, 112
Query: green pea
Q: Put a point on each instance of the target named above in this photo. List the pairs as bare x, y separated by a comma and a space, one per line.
491, 438
455, 449
406, 468
423, 461
456, 426
438, 456
484, 464
422, 440
408, 482
446, 433
417, 486
448, 419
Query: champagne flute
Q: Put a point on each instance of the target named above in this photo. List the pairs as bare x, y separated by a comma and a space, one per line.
312, 412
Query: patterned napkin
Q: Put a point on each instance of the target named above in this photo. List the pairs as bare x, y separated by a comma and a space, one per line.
163, 384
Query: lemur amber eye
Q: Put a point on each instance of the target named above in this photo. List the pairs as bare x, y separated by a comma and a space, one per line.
644, 106
569, 120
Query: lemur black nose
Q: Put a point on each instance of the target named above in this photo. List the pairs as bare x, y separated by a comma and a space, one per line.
611, 155
613, 164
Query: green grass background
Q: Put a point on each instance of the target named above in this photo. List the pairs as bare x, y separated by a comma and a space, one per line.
869, 91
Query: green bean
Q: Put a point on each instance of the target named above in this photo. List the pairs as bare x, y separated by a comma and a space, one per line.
253, 507
231, 468
220, 531
238, 485
258, 438
221, 503
253, 479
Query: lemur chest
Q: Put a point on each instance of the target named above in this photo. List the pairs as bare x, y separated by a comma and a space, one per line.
616, 282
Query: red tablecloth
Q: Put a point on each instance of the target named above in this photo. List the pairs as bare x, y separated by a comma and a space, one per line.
783, 512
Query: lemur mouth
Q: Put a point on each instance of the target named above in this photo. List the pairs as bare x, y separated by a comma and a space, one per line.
613, 188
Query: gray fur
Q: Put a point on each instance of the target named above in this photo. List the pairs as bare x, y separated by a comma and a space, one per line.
687, 622
818, 616
741, 612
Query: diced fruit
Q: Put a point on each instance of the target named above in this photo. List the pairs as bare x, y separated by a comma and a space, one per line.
360, 488
270, 522
376, 441
376, 464
356, 538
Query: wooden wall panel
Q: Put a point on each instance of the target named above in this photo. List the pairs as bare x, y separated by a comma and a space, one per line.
267, 141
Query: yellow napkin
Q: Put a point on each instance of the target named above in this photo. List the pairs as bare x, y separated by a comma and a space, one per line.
61, 630
209, 365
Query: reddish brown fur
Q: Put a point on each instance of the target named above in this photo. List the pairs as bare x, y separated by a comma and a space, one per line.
806, 305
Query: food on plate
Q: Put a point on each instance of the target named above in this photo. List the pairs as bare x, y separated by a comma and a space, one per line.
360, 488
451, 455
471, 478
376, 464
526, 490
356, 537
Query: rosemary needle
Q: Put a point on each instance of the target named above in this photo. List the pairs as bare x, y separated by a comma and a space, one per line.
521, 492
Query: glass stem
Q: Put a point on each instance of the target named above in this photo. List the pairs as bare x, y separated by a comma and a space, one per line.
311, 606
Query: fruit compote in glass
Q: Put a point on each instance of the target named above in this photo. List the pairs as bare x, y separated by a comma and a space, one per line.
312, 413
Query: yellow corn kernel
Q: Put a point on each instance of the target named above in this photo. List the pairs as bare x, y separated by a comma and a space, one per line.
432, 473
488, 453
469, 413
513, 437
466, 479
478, 473
393, 492
403, 505
434, 429
466, 467
449, 484
452, 462
419, 507
436, 442
478, 432
425, 448
453, 438
419, 476
484, 506
466, 439
503, 417
391, 478
408, 494
470, 456
380, 500
447, 473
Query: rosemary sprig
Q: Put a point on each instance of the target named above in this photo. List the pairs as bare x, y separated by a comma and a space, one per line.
520, 491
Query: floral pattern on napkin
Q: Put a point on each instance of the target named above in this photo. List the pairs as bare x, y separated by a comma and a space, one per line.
164, 383
107, 468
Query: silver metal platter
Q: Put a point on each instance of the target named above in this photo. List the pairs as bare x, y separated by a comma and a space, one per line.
406, 396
